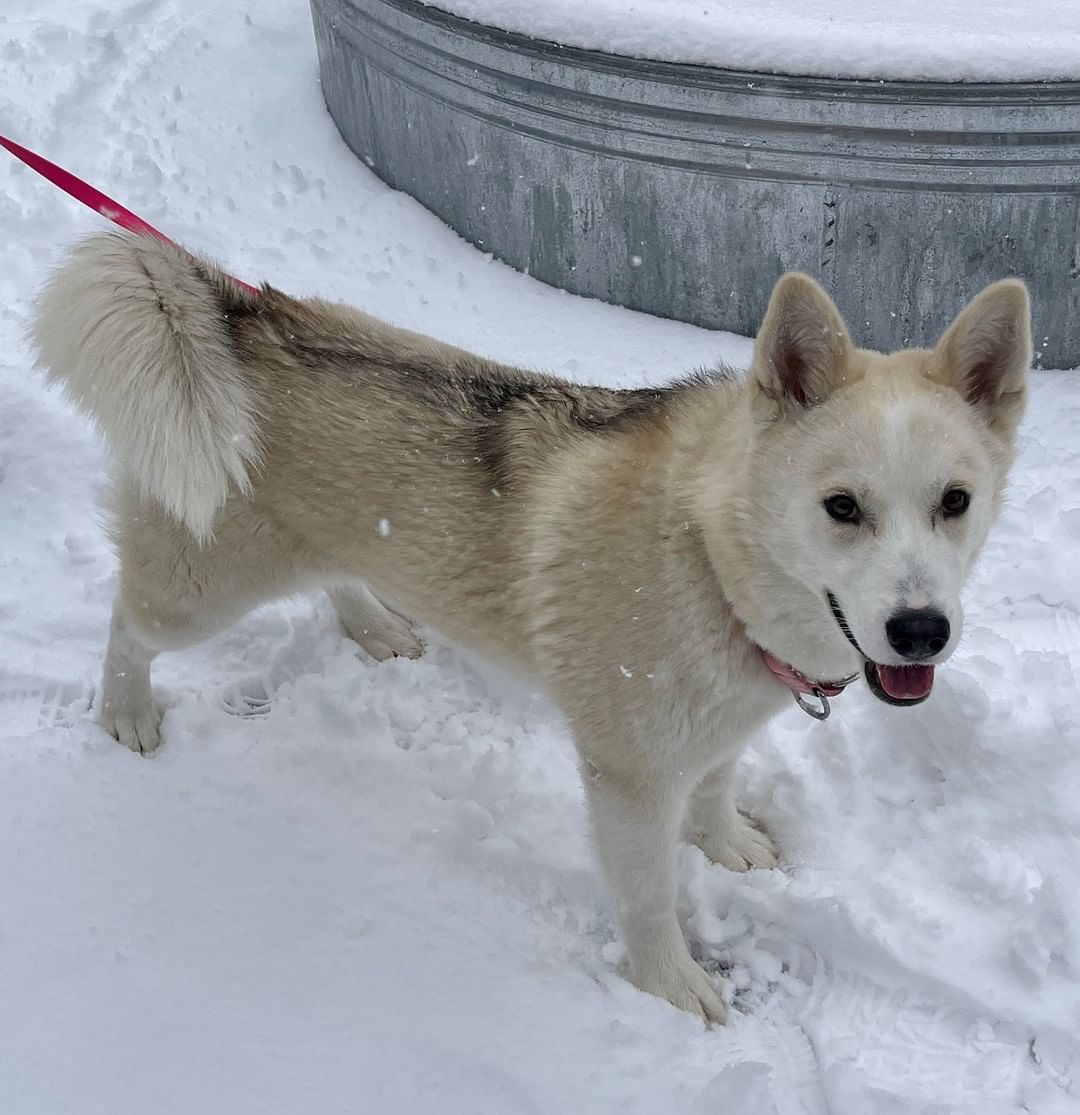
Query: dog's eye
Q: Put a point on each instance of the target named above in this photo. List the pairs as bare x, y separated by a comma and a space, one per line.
955, 502
843, 509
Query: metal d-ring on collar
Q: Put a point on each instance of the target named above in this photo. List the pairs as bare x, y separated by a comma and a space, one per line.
825, 711
799, 684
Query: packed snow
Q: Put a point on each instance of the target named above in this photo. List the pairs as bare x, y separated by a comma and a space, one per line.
917, 40
350, 887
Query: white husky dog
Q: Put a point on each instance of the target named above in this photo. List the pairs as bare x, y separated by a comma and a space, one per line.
669, 565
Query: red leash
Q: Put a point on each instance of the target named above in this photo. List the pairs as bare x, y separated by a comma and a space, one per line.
93, 199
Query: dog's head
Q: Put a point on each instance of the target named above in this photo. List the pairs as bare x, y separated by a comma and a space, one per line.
873, 480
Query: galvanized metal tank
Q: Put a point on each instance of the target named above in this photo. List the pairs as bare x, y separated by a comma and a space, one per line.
686, 191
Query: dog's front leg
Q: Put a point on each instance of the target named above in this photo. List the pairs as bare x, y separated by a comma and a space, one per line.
715, 825
636, 833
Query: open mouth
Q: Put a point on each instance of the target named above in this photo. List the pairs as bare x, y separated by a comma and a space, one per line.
895, 685
899, 685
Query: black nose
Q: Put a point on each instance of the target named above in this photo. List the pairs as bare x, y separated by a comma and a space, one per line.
917, 633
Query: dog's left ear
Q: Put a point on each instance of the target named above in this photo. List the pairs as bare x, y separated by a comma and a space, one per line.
803, 348
986, 353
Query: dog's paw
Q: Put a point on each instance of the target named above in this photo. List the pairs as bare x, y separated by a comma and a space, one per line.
390, 637
138, 729
688, 987
739, 845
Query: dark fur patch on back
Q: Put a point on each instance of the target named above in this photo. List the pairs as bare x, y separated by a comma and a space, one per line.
590, 408
509, 418
520, 419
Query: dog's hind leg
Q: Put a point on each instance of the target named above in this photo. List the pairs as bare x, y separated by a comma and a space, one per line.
127, 709
381, 632
174, 592
150, 615
715, 825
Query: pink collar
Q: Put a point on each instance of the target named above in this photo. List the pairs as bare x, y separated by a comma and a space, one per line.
800, 684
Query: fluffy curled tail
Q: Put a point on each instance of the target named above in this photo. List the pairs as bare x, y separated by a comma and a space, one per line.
135, 330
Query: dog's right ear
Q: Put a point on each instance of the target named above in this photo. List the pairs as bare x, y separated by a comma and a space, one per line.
803, 347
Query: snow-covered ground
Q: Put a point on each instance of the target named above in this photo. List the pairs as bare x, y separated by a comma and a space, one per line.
917, 40
348, 887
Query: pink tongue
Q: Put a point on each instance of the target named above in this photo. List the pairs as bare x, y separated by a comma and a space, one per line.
906, 682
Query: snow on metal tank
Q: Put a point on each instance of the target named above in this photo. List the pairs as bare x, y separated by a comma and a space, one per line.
685, 191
